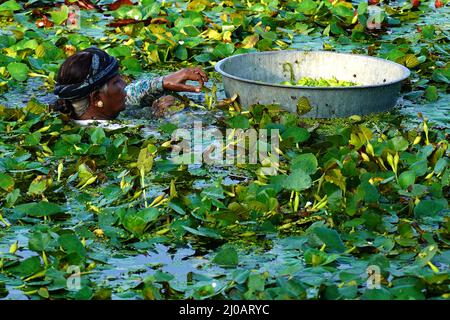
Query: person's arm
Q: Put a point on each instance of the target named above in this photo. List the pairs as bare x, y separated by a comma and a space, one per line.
151, 87
154, 88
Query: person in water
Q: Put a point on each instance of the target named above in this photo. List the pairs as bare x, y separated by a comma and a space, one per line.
90, 87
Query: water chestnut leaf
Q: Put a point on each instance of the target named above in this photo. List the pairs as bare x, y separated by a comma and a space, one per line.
71, 244
428, 208
315, 257
440, 166
223, 50
138, 225
398, 144
98, 135
307, 7
39, 241
40, 209
27, 267
60, 15
10, 5
136, 222
307, 162
6, 182
204, 232
298, 135
406, 179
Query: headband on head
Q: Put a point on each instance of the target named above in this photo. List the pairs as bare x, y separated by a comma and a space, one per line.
103, 68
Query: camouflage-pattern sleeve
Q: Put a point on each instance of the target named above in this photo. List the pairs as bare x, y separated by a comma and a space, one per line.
150, 88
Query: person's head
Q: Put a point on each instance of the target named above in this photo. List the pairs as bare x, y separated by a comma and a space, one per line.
89, 86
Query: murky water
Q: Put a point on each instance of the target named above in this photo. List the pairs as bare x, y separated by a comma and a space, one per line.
20, 95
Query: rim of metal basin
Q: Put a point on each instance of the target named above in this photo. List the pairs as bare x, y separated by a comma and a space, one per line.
406, 74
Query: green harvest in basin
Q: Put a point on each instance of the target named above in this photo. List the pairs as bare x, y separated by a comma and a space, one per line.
321, 82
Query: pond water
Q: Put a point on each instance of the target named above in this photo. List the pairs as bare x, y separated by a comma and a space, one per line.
408, 105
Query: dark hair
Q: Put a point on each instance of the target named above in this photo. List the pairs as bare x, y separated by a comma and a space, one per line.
74, 70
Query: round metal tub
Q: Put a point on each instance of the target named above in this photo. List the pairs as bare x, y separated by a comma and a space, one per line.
255, 78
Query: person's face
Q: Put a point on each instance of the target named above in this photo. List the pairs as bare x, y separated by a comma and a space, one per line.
114, 99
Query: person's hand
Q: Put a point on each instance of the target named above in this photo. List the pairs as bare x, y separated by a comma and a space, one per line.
177, 81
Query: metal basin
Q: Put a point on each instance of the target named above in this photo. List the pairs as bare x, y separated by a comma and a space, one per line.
255, 78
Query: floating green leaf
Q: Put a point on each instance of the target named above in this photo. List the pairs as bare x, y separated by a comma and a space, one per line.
307, 162
60, 15
71, 244
18, 71
10, 5
406, 179
39, 241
